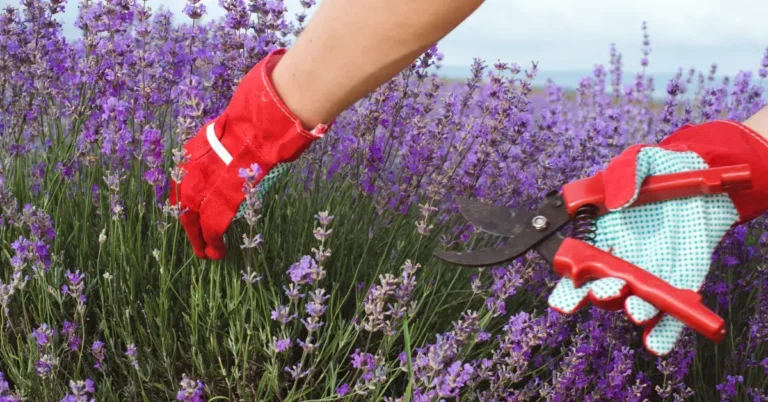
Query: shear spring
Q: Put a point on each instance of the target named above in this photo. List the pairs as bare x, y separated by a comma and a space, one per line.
585, 223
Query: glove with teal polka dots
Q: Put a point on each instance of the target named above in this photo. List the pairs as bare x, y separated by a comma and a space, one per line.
673, 239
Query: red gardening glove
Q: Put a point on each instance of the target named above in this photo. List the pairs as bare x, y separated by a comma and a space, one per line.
256, 127
720, 143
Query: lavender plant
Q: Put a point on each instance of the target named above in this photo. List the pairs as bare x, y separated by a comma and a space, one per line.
102, 299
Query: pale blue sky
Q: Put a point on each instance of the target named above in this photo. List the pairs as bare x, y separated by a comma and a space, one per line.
574, 35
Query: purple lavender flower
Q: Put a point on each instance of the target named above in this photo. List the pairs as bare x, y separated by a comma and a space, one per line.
251, 174
324, 218
116, 207
43, 336
75, 288
248, 242
303, 271
250, 277
282, 315
763, 72
73, 340
133, 355
307, 344
4, 389
152, 150
37, 174
6, 291
281, 345
45, 365
34, 253
194, 9
342, 389
316, 307
323, 232
80, 391
99, 353
252, 201
191, 391
381, 312
372, 370
297, 371
293, 292
455, 378
729, 389
3, 384
39, 223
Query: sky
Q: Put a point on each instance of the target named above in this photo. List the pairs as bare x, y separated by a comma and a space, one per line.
568, 35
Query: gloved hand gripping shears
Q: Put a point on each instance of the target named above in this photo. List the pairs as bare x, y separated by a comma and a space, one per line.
581, 202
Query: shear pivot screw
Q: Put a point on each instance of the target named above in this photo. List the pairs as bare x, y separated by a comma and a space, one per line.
539, 223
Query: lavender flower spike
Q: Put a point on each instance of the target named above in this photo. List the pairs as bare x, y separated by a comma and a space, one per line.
191, 391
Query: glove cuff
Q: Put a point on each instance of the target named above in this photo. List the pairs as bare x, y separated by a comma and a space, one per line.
726, 143
257, 115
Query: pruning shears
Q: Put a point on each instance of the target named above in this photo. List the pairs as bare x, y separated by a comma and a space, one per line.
581, 202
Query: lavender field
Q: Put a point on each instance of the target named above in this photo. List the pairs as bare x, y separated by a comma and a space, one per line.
332, 293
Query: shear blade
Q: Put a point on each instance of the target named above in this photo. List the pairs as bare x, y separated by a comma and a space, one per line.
507, 222
483, 257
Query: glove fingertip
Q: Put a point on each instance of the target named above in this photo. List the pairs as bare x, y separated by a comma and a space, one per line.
566, 298
639, 311
216, 221
661, 337
216, 252
607, 288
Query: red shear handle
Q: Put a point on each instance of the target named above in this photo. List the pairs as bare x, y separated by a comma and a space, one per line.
662, 187
583, 262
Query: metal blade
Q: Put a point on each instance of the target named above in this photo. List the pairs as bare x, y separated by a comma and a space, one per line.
507, 222
549, 246
484, 257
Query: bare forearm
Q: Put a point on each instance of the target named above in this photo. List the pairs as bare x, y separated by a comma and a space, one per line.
351, 47
759, 122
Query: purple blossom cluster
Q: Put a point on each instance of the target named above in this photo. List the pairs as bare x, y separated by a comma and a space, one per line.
307, 302
191, 391
5, 391
81, 391
388, 302
133, 355
73, 339
48, 360
251, 178
74, 288
99, 354
372, 371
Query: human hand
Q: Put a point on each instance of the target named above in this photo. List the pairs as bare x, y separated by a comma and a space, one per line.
256, 128
675, 239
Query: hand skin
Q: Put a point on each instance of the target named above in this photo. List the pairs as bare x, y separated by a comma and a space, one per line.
759, 122
351, 47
